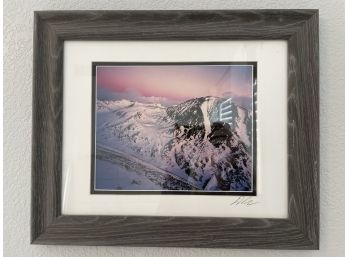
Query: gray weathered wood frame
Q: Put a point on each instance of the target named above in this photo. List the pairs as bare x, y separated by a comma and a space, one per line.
298, 27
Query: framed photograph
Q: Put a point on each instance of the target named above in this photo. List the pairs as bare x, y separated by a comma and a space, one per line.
152, 137
176, 128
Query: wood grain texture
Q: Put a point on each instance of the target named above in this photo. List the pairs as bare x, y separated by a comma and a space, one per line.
299, 27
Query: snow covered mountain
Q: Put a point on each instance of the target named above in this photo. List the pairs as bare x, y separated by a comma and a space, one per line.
205, 111
187, 141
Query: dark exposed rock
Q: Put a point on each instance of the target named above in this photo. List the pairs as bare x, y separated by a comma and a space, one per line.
231, 172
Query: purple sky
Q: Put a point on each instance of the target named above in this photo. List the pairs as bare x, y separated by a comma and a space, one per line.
174, 83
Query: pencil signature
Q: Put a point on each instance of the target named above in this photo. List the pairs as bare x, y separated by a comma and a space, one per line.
243, 200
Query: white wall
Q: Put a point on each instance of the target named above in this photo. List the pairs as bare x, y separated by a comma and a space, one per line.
18, 31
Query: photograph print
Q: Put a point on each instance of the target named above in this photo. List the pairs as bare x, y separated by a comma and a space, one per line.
174, 128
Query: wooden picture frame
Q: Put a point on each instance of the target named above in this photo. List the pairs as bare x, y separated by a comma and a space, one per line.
299, 27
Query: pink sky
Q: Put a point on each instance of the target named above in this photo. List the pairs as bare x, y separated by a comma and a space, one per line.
176, 82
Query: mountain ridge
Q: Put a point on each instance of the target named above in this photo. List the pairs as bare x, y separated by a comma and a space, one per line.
187, 138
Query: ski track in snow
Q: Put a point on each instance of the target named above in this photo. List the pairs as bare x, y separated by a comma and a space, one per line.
109, 154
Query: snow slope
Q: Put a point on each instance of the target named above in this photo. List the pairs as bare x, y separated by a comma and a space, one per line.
185, 140
206, 121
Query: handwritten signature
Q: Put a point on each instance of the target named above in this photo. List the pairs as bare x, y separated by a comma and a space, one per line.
242, 200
